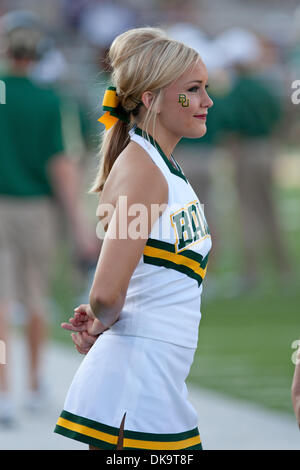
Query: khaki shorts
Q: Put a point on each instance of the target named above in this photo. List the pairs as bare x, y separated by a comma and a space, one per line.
28, 235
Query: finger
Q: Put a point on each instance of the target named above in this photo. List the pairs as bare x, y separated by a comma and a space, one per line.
79, 313
81, 308
69, 327
81, 351
89, 339
81, 317
77, 321
76, 339
83, 342
79, 341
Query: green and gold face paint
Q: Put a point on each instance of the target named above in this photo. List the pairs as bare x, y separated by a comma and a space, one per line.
185, 102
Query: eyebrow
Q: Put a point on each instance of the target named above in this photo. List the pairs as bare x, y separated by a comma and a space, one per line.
192, 81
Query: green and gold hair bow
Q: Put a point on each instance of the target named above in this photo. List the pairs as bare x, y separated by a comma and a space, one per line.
114, 110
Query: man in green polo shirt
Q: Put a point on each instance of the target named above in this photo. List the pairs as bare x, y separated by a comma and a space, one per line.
253, 118
34, 175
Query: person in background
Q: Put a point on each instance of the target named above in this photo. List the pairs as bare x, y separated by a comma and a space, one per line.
36, 177
292, 75
253, 115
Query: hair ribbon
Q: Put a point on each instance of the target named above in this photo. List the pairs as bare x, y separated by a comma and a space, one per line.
113, 109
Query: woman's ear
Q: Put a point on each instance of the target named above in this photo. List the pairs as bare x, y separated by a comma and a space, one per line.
148, 98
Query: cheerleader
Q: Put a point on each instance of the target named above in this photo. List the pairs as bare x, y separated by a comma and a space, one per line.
140, 328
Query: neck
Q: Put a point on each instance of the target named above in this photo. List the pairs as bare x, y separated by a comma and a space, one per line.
165, 138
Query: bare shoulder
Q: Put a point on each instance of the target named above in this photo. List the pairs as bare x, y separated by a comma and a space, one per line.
135, 173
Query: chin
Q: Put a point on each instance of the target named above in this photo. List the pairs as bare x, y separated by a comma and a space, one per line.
196, 134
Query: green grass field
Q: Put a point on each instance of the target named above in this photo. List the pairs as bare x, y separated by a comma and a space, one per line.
245, 340
244, 347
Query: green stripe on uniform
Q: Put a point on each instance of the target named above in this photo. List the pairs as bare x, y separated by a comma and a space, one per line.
83, 438
196, 447
170, 247
160, 244
170, 265
161, 437
90, 423
155, 144
106, 437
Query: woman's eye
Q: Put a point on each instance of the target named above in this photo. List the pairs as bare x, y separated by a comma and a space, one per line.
194, 88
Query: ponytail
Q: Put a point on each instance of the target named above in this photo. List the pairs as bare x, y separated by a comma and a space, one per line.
113, 143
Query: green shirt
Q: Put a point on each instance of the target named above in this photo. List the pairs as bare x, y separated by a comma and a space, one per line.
253, 109
30, 135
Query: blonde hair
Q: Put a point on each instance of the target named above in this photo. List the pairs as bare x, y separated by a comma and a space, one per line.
142, 59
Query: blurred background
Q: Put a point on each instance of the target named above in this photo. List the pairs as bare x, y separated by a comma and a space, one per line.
245, 170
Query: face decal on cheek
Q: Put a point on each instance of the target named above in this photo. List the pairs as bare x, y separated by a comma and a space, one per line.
185, 102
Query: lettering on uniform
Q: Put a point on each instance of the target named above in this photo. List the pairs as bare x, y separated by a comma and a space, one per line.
189, 225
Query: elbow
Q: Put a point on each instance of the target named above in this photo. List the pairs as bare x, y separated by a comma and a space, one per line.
101, 300
106, 307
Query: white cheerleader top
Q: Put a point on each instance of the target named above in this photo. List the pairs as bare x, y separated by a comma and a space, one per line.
164, 294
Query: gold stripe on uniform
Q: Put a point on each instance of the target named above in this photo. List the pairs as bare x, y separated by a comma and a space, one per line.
102, 436
177, 259
139, 444
154, 445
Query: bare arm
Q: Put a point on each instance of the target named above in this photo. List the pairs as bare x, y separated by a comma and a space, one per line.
134, 180
65, 179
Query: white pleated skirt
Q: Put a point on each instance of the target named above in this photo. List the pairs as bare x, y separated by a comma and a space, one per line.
142, 377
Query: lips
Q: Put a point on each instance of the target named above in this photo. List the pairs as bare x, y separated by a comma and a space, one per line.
201, 116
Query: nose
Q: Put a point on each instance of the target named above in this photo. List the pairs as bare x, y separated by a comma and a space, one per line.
207, 101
